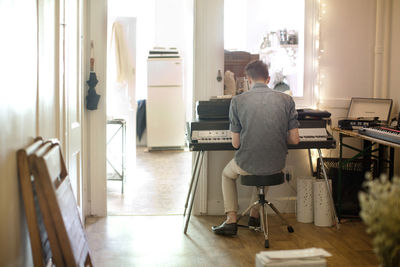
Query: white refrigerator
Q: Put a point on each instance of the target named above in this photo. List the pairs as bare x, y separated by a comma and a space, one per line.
165, 108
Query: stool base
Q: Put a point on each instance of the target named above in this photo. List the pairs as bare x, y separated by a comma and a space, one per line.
261, 205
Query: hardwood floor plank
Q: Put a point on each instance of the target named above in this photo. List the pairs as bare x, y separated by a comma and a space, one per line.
154, 186
159, 241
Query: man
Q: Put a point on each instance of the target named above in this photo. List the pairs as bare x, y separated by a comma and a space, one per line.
262, 122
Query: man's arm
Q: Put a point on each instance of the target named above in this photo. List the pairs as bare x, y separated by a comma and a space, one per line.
293, 137
235, 139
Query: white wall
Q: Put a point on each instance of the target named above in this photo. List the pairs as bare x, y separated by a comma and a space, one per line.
48, 71
348, 41
18, 96
208, 59
96, 119
347, 64
394, 75
347, 37
144, 12
174, 28
31, 104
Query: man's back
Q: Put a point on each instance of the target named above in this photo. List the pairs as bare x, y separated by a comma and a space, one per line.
263, 118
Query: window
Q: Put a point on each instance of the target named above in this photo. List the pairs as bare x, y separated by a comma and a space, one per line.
282, 33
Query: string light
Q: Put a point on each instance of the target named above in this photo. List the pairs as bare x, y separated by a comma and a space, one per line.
320, 10
316, 91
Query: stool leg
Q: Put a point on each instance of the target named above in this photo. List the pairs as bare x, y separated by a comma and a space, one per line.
289, 227
256, 203
264, 224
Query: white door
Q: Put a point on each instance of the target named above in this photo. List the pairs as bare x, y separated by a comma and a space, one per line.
71, 67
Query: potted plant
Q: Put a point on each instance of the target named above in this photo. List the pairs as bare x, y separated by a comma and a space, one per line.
380, 211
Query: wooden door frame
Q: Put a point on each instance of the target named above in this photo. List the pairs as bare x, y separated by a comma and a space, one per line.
94, 130
85, 74
63, 129
95, 121
204, 77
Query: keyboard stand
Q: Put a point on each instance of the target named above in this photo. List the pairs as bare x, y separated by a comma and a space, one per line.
196, 173
192, 191
368, 150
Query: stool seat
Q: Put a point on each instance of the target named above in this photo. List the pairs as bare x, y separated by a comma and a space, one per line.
262, 180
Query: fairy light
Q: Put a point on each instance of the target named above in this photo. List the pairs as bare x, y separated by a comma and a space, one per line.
316, 91
316, 63
318, 85
317, 54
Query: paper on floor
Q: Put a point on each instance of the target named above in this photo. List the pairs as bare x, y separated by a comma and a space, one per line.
310, 257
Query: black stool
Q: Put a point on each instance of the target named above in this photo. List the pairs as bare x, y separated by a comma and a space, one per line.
260, 181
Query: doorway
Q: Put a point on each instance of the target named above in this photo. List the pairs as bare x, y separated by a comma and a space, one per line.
155, 182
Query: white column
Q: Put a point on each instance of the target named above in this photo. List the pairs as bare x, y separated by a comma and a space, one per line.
382, 48
208, 59
96, 126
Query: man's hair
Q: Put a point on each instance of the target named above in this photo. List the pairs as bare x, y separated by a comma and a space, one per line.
257, 70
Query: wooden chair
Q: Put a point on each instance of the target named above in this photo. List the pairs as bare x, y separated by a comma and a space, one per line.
60, 211
40, 245
236, 61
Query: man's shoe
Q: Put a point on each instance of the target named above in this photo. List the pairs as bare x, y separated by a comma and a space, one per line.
254, 222
228, 229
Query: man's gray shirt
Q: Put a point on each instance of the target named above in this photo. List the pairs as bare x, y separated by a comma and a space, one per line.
263, 118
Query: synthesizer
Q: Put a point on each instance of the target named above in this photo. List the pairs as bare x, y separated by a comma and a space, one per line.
209, 135
215, 135
384, 133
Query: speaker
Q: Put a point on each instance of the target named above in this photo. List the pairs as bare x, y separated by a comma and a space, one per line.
353, 176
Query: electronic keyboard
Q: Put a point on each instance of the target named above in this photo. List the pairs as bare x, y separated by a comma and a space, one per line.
205, 135
384, 133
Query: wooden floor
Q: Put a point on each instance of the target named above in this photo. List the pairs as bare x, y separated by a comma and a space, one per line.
149, 228
159, 241
157, 185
